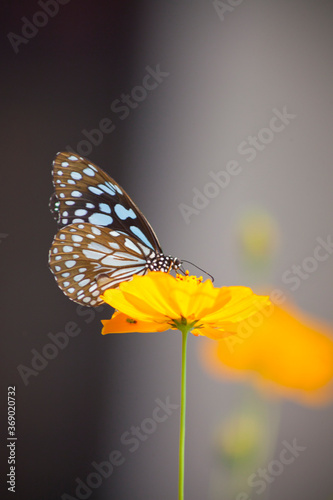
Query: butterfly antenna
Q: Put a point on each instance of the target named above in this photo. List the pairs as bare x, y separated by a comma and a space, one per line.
188, 262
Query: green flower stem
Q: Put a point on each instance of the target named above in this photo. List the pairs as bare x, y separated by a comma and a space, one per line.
185, 331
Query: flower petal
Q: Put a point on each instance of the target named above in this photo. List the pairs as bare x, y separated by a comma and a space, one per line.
283, 349
212, 333
120, 323
159, 298
243, 303
117, 299
199, 299
150, 296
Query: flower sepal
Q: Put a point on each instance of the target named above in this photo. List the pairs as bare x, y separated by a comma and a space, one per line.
184, 325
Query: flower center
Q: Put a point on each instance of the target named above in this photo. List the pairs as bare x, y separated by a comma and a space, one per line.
189, 279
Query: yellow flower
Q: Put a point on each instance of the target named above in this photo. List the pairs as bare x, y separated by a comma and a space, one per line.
157, 302
282, 351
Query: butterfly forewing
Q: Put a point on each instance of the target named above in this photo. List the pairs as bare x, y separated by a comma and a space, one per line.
85, 193
86, 260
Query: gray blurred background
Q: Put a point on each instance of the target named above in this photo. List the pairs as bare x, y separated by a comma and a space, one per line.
226, 70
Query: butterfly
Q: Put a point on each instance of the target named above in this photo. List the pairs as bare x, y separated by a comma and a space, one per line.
103, 238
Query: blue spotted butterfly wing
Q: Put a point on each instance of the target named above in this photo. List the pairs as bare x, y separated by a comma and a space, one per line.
104, 238
87, 259
85, 193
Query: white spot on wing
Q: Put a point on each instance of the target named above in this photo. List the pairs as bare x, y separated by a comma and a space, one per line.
76, 175
109, 189
131, 245
128, 273
121, 259
114, 245
70, 263
84, 282
100, 219
92, 255
100, 248
135, 230
81, 212
123, 213
79, 277
89, 171
77, 238
95, 190
104, 208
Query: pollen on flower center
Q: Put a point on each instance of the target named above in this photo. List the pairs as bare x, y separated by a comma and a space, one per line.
189, 279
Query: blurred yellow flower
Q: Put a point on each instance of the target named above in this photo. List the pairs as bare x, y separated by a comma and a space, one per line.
257, 241
157, 302
281, 350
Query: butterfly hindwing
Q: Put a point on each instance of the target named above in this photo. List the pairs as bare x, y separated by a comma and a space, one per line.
86, 260
84, 193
